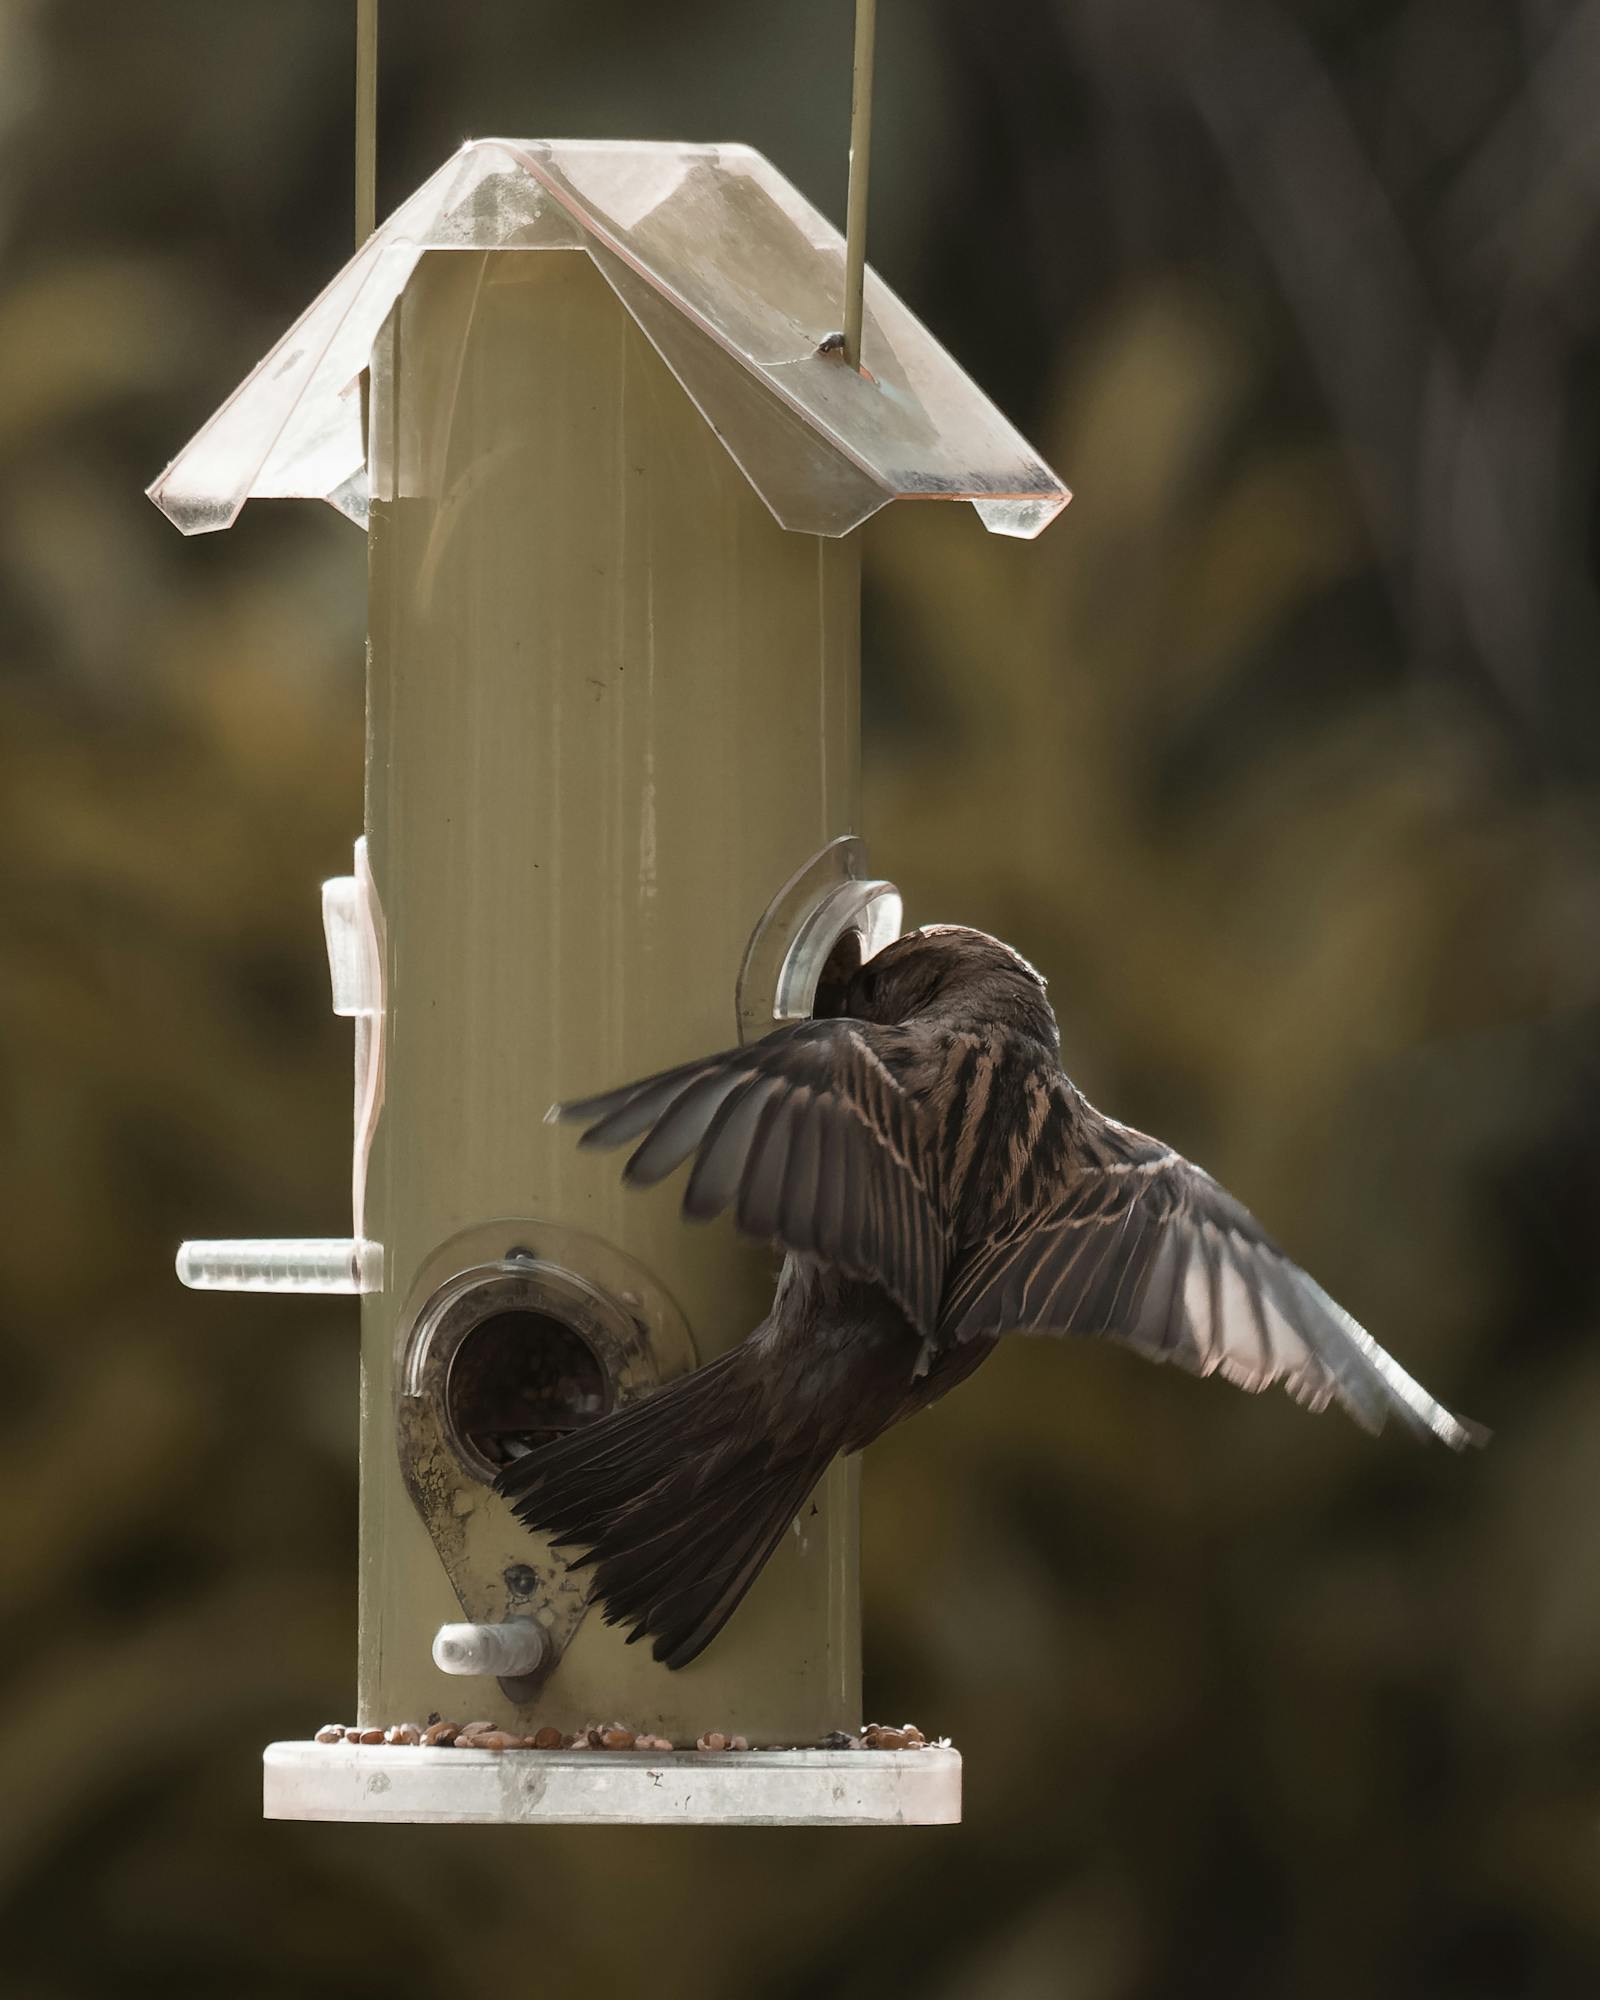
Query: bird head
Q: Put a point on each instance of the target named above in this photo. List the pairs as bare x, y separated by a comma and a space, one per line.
961, 977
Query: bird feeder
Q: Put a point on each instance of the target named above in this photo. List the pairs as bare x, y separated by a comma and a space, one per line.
589, 403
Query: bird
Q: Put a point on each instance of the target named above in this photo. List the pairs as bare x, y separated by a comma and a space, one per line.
935, 1181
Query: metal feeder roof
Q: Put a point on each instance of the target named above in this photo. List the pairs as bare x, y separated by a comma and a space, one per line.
734, 278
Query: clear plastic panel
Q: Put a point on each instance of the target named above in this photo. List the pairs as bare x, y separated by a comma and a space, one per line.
1021, 518
722, 262
809, 484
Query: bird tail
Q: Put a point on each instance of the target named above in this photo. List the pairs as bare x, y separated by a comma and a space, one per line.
676, 1501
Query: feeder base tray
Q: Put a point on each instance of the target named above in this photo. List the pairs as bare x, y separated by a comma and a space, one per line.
346, 1781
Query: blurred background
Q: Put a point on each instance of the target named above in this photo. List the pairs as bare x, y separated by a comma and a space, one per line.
1280, 753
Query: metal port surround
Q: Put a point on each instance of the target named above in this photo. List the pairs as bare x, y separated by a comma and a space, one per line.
543, 1282
536, 1301
829, 897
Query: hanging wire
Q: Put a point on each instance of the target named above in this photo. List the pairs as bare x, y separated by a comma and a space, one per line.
366, 119
855, 224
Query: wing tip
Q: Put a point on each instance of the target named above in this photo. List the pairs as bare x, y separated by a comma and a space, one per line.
589, 1110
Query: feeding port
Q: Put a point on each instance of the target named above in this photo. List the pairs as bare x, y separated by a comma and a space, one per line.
520, 1378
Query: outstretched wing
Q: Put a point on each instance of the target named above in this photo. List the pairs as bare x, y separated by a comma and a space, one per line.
811, 1141
1116, 1234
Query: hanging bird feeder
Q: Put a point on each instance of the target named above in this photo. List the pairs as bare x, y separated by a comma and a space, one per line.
591, 403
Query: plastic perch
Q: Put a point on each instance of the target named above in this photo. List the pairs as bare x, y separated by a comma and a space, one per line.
291, 1264
507, 1651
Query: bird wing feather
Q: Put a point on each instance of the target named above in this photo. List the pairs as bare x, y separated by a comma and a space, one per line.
1113, 1233
812, 1141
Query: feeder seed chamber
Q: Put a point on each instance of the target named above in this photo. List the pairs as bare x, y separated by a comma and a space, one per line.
585, 400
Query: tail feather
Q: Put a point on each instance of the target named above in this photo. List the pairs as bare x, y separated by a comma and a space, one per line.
700, 1611
600, 1463
675, 1503
698, 1552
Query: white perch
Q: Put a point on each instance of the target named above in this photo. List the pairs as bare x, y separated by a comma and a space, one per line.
509, 1651
316, 1264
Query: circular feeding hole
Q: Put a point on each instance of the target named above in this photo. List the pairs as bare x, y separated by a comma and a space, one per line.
520, 1379
843, 962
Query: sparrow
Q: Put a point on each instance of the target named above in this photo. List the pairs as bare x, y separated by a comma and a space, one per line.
935, 1180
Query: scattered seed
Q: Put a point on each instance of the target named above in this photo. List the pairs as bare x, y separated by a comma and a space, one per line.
884, 1736
488, 1738
486, 1735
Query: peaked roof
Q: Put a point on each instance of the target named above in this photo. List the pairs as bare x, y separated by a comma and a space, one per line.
734, 278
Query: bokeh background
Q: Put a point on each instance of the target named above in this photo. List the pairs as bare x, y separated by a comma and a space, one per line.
1279, 753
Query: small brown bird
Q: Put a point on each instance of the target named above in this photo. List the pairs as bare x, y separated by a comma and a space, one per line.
936, 1180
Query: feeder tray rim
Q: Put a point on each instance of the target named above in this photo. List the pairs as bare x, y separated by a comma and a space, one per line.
341, 1781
